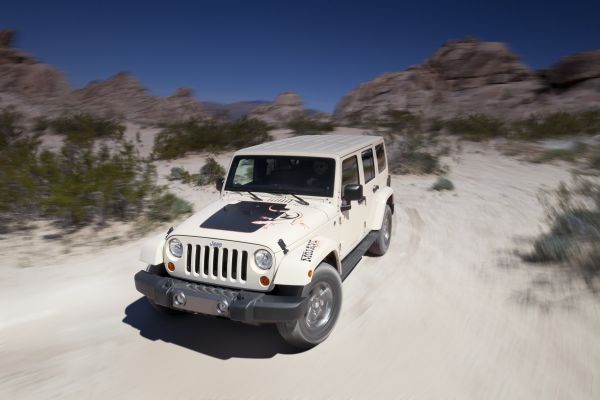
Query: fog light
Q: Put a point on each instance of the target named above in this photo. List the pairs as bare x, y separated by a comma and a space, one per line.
171, 267
264, 281
222, 306
179, 299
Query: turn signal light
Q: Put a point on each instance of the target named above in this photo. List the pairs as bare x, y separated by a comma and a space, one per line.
310, 273
264, 281
171, 267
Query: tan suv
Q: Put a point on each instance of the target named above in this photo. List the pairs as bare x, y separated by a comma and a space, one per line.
294, 218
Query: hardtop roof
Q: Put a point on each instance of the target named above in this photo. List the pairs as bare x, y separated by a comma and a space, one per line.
317, 145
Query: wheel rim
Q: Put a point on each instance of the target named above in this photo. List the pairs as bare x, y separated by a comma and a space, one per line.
320, 306
387, 229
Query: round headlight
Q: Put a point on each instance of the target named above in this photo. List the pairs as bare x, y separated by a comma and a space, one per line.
263, 259
175, 247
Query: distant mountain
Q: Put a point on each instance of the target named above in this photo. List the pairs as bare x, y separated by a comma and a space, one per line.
233, 110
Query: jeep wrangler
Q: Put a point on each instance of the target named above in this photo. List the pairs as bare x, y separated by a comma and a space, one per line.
294, 217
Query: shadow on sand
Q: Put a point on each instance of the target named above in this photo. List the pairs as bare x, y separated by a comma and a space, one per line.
215, 337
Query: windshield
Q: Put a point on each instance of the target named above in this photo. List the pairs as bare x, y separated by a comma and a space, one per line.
312, 176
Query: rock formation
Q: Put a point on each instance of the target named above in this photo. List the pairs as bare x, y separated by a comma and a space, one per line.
286, 107
38, 89
471, 76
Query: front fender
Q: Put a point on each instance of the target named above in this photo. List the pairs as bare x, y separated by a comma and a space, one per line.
295, 265
380, 199
152, 250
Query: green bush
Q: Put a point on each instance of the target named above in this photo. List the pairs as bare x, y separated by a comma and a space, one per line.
557, 124
401, 122
210, 172
573, 239
20, 170
303, 125
83, 183
476, 127
166, 207
412, 156
83, 128
176, 140
179, 174
442, 184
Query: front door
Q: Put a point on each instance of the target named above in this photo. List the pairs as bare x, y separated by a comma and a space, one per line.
351, 222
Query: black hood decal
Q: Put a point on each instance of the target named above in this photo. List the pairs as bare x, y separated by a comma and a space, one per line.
249, 216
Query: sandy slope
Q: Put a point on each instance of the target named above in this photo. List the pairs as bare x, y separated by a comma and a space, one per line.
449, 312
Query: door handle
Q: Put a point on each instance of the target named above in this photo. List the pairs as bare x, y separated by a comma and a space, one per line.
375, 188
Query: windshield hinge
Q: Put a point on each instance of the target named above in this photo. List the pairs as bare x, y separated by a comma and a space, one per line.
281, 244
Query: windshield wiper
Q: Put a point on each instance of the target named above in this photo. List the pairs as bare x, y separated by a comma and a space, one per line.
255, 197
300, 199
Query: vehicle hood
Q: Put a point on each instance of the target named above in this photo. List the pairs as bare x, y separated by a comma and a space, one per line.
258, 222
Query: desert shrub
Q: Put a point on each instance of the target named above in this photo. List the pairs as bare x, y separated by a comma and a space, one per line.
401, 122
476, 127
411, 155
82, 183
593, 158
208, 174
179, 174
303, 125
442, 184
85, 185
571, 154
166, 206
210, 171
175, 140
19, 169
557, 124
81, 128
573, 238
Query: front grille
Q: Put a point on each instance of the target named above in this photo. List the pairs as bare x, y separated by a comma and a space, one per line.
217, 263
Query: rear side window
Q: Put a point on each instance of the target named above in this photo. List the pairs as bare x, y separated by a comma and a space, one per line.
368, 165
350, 171
380, 153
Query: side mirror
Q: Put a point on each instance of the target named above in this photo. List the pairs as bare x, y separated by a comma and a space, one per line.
352, 192
219, 183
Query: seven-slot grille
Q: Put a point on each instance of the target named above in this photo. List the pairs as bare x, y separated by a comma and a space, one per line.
215, 262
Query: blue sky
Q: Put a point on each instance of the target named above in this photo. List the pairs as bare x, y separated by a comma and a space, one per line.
241, 50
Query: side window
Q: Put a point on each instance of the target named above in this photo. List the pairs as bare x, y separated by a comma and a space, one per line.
380, 153
350, 171
244, 172
368, 165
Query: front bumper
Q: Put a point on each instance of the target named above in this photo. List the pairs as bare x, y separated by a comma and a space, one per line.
237, 305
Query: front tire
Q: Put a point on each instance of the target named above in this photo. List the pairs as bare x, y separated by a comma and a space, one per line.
382, 243
322, 310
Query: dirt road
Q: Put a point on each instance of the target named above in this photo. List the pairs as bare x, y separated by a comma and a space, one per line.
448, 313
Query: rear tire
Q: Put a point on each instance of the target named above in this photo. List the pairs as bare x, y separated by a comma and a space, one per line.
322, 310
160, 271
382, 243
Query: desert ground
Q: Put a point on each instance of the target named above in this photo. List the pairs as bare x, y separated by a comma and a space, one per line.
450, 312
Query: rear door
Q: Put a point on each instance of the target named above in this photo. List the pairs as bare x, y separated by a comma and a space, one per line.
353, 221
371, 184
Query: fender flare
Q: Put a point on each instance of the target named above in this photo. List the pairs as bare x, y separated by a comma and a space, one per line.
152, 250
295, 266
381, 200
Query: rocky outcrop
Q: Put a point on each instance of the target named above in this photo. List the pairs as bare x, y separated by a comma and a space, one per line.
285, 108
38, 89
122, 95
26, 81
471, 76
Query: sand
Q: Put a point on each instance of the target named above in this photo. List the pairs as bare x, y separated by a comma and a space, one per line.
450, 312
